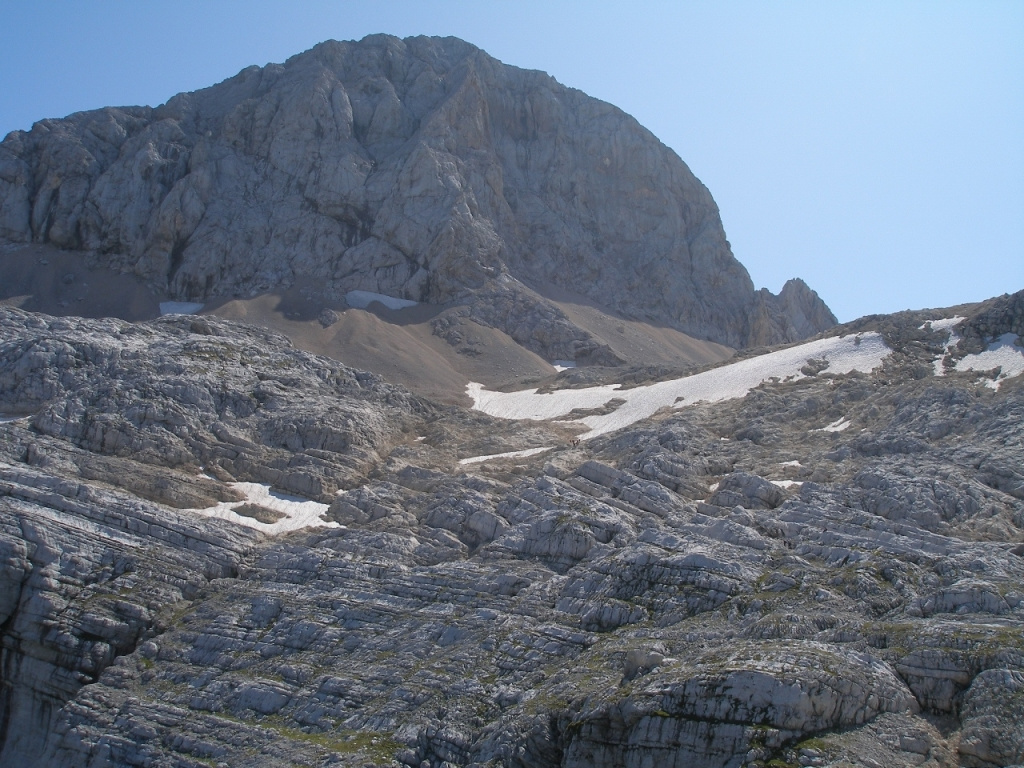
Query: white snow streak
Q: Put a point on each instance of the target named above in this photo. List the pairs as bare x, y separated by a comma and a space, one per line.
1002, 353
863, 352
836, 426
941, 325
298, 512
509, 454
946, 324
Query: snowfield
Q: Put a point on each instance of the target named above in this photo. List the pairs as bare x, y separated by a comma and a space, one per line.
507, 455
844, 354
298, 513
1002, 353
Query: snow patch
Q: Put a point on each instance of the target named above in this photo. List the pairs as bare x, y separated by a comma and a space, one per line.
179, 307
4, 418
508, 455
862, 352
1002, 353
786, 483
793, 463
945, 324
563, 365
836, 426
363, 299
298, 512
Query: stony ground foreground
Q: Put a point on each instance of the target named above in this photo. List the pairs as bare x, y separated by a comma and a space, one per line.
719, 585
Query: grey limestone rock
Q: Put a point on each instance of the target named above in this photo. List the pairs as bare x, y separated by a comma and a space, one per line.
992, 711
184, 392
419, 168
667, 594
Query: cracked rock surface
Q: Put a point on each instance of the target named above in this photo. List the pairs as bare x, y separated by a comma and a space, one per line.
722, 584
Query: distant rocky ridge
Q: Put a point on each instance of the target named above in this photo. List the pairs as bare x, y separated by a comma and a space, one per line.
827, 572
419, 168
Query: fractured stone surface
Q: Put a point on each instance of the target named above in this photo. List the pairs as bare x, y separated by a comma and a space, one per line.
657, 596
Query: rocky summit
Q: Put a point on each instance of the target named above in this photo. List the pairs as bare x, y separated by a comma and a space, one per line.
420, 169
220, 548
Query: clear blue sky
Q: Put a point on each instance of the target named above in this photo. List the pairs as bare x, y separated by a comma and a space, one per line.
875, 149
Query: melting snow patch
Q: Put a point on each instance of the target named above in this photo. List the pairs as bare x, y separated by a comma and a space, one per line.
563, 365
836, 426
179, 307
508, 455
786, 483
944, 324
363, 299
1002, 353
4, 418
296, 512
790, 464
863, 352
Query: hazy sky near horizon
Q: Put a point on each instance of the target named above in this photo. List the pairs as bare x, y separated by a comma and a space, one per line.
875, 149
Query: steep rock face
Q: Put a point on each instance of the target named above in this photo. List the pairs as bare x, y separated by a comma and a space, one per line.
796, 313
421, 168
85, 573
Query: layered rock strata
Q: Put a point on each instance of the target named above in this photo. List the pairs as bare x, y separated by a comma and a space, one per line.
419, 168
719, 585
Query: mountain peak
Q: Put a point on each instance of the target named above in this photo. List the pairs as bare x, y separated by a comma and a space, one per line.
421, 169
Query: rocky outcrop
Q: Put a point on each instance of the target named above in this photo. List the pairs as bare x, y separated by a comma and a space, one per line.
418, 168
992, 711
200, 392
86, 572
672, 593
796, 313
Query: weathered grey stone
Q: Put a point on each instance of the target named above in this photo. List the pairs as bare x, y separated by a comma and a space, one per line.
992, 712
596, 605
419, 168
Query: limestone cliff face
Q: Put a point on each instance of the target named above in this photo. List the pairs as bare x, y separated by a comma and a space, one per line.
420, 168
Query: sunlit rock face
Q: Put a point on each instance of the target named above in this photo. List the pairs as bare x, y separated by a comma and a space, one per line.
726, 583
421, 169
